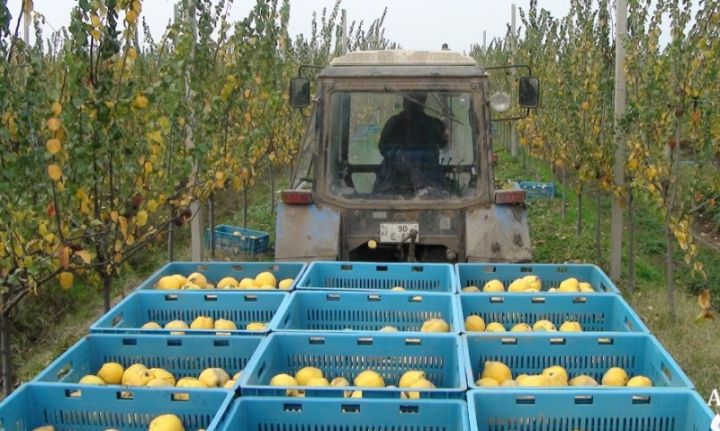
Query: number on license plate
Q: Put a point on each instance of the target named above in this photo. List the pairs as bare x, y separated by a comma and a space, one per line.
397, 232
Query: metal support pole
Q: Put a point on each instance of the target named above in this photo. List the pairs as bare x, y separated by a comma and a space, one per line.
616, 232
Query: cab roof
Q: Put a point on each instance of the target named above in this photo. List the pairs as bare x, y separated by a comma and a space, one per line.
403, 63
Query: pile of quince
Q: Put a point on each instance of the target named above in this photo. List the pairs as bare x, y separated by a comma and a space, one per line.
113, 373
474, 323
197, 281
532, 284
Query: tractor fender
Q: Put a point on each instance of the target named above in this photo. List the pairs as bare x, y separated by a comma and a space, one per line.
307, 232
497, 233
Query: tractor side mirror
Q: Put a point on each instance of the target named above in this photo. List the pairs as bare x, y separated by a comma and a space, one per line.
299, 92
529, 90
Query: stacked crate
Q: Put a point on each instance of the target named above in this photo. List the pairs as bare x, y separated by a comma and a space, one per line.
333, 318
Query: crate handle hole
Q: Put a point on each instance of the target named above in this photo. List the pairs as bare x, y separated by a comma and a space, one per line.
73, 393
641, 399
292, 407
580, 300
410, 409
221, 343
562, 269
117, 319
171, 297
129, 342
538, 300
174, 342
416, 298
64, 371
497, 300
316, 340
606, 341
381, 268
125, 395
373, 298
526, 269
332, 297
275, 268
629, 324
584, 399
365, 341
667, 372
413, 342
418, 269
210, 297
490, 269
350, 408
181, 396
525, 400
202, 267
508, 340
557, 341
250, 298
346, 267
237, 267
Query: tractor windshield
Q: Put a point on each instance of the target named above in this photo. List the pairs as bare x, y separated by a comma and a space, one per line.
402, 146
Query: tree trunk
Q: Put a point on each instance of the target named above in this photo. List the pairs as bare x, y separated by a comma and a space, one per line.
598, 224
245, 209
107, 287
171, 237
272, 190
5, 349
563, 202
631, 240
578, 230
669, 267
211, 221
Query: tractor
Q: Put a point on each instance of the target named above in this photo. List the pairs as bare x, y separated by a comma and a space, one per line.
396, 163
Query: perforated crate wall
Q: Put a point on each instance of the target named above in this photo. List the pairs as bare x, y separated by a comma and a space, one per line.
366, 311
91, 408
607, 410
182, 356
425, 277
283, 414
591, 354
594, 312
162, 307
345, 355
551, 275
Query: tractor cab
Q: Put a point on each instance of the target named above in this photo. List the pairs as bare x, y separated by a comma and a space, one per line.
396, 165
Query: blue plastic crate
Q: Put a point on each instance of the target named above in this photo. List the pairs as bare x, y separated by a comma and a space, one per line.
92, 408
238, 240
610, 410
182, 356
425, 277
594, 312
537, 190
284, 414
477, 274
215, 271
345, 355
164, 306
366, 311
590, 354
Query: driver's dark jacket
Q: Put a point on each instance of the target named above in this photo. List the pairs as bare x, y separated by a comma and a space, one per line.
410, 143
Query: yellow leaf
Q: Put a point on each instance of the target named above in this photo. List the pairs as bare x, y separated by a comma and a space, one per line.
148, 167
114, 216
152, 205
122, 222
95, 21
56, 109
66, 280
131, 16
54, 172
84, 255
141, 218
53, 124
54, 146
141, 101
132, 54
95, 34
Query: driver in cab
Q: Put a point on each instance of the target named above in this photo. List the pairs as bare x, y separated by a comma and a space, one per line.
410, 144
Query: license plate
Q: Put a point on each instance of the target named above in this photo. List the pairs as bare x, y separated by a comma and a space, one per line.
396, 232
